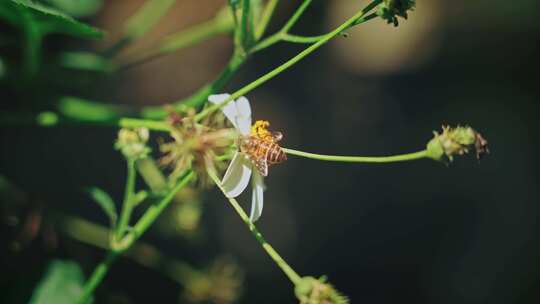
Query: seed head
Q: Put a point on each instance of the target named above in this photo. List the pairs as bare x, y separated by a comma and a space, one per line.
195, 145
317, 291
389, 10
456, 141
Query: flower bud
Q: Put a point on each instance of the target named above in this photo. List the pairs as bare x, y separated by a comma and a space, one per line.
132, 143
456, 141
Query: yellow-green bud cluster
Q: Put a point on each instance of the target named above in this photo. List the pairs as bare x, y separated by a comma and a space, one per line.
317, 291
132, 143
456, 141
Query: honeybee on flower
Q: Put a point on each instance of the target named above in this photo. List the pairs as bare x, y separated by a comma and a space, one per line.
258, 148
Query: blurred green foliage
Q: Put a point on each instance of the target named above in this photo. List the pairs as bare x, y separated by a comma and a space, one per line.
77, 8
61, 284
104, 200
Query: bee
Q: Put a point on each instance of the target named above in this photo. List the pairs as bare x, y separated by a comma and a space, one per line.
262, 148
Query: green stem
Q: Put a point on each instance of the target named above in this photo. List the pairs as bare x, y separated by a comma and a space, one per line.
267, 42
97, 276
128, 204
356, 19
283, 32
274, 255
359, 159
297, 14
154, 211
265, 18
301, 39
138, 230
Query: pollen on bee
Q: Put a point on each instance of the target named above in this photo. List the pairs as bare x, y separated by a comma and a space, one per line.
260, 129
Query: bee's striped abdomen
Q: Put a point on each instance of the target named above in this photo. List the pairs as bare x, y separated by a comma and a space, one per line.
276, 154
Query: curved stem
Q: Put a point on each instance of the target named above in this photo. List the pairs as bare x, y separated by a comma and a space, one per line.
301, 39
359, 159
274, 255
357, 18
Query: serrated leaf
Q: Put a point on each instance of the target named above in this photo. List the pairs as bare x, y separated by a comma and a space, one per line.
27, 14
105, 202
61, 284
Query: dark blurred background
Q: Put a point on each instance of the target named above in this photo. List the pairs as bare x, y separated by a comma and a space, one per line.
417, 232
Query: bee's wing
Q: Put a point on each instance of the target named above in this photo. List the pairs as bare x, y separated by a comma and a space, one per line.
277, 136
261, 164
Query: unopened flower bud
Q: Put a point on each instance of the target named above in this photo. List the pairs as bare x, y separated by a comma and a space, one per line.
132, 143
456, 141
317, 291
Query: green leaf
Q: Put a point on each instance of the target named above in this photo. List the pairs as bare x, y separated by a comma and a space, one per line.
105, 202
45, 20
86, 110
61, 284
77, 8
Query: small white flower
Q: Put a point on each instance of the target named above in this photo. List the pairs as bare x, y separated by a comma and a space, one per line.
240, 169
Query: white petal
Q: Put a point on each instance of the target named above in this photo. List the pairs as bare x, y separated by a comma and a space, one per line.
230, 110
257, 197
237, 175
243, 120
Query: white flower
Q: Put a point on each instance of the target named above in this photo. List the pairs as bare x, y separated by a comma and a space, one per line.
240, 169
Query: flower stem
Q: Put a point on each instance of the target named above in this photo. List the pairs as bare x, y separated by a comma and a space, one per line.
154, 211
301, 39
359, 159
138, 230
127, 205
274, 255
265, 18
359, 17
97, 276
297, 14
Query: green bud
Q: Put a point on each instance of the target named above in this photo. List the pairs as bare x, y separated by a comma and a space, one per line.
132, 143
